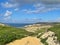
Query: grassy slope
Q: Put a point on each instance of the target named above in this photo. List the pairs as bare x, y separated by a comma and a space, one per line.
8, 34
56, 29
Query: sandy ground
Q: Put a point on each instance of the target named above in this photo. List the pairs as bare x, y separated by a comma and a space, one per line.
26, 41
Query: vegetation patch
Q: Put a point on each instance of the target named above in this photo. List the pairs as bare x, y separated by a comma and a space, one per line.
9, 34
56, 29
44, 41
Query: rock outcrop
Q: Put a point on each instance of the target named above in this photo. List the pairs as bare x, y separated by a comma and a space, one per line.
51, 38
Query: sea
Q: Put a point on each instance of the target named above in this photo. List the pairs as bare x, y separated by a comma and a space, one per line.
18, 24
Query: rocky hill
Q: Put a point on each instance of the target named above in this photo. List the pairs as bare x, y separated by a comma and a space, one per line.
48, 34
36, 34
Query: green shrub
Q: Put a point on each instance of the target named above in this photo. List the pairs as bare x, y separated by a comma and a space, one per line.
8, 34
44, 41
56, 29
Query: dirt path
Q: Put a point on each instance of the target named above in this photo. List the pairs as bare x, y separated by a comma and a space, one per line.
26, 41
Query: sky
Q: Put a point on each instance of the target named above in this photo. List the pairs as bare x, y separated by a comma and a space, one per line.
29, 11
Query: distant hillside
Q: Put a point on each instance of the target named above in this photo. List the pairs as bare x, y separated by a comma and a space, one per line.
48, 23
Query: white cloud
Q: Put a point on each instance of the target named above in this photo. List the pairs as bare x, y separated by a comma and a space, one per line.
57, 19
8, 5
16, 9
39, 8
38, 5
46, 2
8, 13
31, 20
7, 18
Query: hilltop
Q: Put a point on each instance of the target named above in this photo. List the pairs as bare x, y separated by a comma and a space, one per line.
48, 23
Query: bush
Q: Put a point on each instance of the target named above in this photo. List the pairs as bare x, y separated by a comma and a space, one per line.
56, 29
8, 34
44, 41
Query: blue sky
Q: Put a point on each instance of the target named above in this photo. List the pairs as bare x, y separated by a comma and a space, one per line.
29, 11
